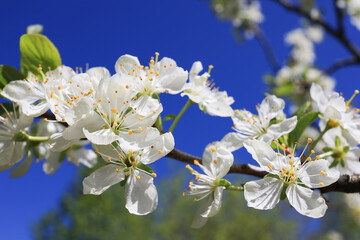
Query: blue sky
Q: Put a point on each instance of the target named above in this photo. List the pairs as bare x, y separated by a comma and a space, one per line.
98, 33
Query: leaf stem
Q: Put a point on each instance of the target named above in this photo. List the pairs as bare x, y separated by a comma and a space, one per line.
183, 110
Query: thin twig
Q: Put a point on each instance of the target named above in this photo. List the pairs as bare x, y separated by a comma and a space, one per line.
339, 18
266, 47
333, 32
340, 64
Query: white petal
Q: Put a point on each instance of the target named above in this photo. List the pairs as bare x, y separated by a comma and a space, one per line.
160, 148
263, 194
58, 143
33, 110
220, 109
269, 108
263, 154
310, 174
103, 178
217, 159
52, 163
91, 121
215, 205
196, 68
21, 169
141, 195
127, 63
84, 156
306, 201
18, 91
145, 105
101, 137
232, 141
277, 130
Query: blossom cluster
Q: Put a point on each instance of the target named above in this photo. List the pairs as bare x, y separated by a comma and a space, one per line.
117, 114
120, 115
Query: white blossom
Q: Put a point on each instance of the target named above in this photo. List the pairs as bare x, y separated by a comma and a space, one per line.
200, 90
12, 149
249, 126
216, 162
290, 177
129, 165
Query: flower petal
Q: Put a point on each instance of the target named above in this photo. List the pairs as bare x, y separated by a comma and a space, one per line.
311, 174
306, 201
263, 194
277, 130
217, 159
21, 169
215, 205
141, 194
103, 178
232, 141
263, 154
101, 137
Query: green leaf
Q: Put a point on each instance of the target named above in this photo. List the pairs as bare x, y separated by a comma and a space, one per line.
284, 90
327, 149
346, 149
337, 141
303, 122
37, 49
334, 163
145, 167
8, 74
302, 109
283, 192
169, 117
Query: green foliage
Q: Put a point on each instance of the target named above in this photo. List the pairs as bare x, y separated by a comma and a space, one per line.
105, 217
37, 49
169, 117
303, 122
8, 74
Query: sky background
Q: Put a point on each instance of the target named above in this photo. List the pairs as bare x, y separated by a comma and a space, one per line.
187, 31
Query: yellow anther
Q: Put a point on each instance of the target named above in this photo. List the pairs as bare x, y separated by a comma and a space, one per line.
109, 159
215, 161
153, 175
114, 110
270, 166
321, 184
197, 177
45, 119
117, 170
212, 149
322, 172
312, 151
291, 162
56, 111
160, 151
194, 200
96, 151
276, 140
308, 159
140, 119
127, 86
184, 193
196, 162
283, 145
138, 177
279, 154
210, 67
104, 115
154, 111
59, 87
133, 163
309, 140
99, 100
140, 129
318, 157
292, 178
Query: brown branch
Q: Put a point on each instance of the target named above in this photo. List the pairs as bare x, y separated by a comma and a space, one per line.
266, 47
236, 168
336, 33
340, 64
339, 18
346, 183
